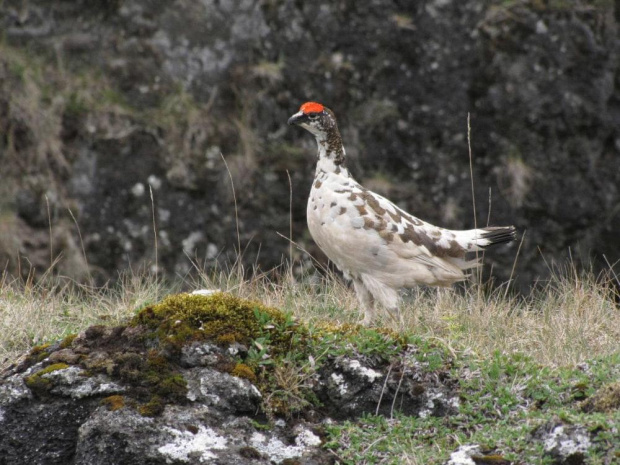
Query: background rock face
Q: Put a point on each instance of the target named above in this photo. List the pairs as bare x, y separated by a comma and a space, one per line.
107, 105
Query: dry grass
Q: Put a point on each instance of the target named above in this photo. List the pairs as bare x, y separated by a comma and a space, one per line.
571, 318
32, 314
565, 321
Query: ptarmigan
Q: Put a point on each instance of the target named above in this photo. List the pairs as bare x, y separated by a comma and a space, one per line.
378, 246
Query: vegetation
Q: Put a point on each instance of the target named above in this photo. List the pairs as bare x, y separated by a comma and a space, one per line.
566, 321
505, 401
521, 364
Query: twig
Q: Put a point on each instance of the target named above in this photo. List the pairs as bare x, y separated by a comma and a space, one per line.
49, 220
81, 241
155, 236
514, 264
299, 247
383, 388
397, 390
473, 194
232, 184
373, 443
611, 268
471, 170
490, 205
290, 221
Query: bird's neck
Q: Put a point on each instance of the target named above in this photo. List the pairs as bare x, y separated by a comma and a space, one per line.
331, 152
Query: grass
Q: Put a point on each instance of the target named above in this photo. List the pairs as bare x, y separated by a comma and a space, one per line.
564, 321
505, 401
520, 365
568, 320
34, 314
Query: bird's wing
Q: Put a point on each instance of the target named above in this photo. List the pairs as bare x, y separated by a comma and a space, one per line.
408, 236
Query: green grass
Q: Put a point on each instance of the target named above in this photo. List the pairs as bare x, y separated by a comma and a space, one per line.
503, 400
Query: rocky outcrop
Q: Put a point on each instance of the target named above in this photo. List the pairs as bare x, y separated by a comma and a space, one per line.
114, 115
154, 392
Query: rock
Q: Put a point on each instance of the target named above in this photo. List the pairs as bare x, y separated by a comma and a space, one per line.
176, 437
349, 388
565, 444
201, 354
59, 414
472, 454
276, 451
463, 455
76, 383
226, 392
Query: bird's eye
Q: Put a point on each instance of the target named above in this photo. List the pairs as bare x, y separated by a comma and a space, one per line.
313, 116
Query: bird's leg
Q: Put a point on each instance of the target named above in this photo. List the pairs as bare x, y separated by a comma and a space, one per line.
366, 301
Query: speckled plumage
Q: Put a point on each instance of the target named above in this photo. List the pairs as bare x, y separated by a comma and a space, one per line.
377, 245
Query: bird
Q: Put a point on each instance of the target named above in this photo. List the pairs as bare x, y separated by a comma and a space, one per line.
378, 246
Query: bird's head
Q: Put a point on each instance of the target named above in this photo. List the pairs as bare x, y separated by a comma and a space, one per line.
316, 118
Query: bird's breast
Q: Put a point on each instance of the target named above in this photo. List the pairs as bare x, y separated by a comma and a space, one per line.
339, 228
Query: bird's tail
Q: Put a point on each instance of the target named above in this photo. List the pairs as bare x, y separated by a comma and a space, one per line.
473, 240
485, 237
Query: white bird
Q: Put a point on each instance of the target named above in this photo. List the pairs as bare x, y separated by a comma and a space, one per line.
375, 244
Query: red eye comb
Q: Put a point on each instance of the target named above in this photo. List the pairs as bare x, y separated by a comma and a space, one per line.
311, 107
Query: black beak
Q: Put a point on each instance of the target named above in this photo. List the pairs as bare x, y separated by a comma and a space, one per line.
297, 118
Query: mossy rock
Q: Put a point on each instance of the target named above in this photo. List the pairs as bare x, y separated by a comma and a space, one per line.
37, 354
146, 354
606, 399
38, 383
153, 407
113, 403
183, 318
241, 370
67, 341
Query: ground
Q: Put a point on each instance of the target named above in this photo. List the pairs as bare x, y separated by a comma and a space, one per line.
195, 378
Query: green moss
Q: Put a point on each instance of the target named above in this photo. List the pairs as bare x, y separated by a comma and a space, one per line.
36, 382
260, 426
37, 354
36, 350
183, 318
153, 407
50, 368
156, 361
605, 400
223, 319
41, 356
113, 402
157, 375
241, 370
172, 387
227, 339
67, 341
